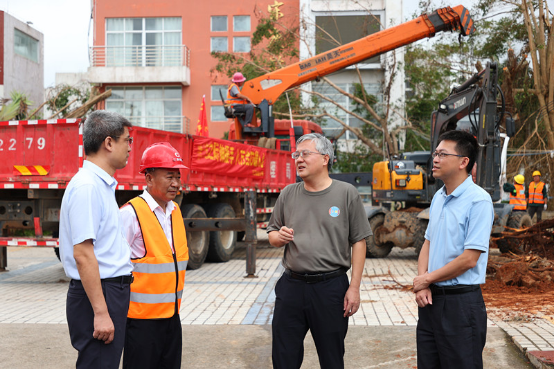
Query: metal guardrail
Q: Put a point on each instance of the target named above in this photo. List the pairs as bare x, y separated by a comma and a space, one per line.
165, 123
140, 56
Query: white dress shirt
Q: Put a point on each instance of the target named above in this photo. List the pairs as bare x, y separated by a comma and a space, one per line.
131, 227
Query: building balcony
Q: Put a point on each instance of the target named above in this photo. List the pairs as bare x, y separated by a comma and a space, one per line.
139, 64
166, 123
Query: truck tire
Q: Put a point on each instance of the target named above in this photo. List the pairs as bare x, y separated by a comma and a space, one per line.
198, 242
517, 220
222, 243
373, 249
419, 235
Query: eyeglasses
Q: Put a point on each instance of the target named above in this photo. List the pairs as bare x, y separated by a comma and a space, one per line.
443, 155
302, 154
128, 139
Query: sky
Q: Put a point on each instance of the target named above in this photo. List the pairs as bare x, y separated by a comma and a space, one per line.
65, 25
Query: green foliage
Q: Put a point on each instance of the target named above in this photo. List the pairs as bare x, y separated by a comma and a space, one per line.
63, 94
360, 160
17, 109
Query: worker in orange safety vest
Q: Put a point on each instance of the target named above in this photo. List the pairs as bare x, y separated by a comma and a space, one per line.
517, 193
240, 103
154, 229
536, 195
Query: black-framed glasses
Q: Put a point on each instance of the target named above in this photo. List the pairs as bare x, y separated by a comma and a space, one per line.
128, 139
303, 153
443, 155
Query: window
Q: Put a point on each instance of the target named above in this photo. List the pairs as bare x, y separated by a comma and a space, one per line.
25, 45
215, 92
331, 127
241, 23
218, 113
152, 107
140, 42
241, 44
219, 23
332, 31
219, 44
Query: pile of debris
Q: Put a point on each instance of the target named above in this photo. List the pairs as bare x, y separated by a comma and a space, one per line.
537, 240
529, 271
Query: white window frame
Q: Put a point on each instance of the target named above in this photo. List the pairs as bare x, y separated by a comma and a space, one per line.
218, 16
141, 120
249, 23
226, 43
32, 39
235, 43
214, 95
212, 108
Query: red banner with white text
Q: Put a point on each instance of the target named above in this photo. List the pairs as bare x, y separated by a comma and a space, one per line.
229, 158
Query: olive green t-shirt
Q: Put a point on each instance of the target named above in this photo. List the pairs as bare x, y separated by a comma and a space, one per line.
325, 223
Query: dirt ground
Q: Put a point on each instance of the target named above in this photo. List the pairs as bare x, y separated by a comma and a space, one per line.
520, 284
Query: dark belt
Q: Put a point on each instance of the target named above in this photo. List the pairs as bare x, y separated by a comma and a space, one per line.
315, 277
454, 290
123, 279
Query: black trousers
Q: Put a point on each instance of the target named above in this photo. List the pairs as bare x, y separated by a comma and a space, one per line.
319, 307
535, 209
153, 343
452, 332
247, 110
94, 353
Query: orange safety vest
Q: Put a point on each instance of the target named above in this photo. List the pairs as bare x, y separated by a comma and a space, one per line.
231, 99
519, 199
160, 275
535, 193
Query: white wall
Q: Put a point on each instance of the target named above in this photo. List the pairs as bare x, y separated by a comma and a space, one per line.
20, 73
391, 14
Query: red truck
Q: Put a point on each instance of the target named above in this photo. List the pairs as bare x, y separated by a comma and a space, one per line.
39, 158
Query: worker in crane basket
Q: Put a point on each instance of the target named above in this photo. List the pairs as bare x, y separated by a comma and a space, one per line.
153, 226
241, 104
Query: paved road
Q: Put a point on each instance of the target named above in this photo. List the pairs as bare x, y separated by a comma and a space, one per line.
226, 317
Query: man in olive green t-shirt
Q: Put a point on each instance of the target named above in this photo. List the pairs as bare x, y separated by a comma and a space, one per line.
317, 221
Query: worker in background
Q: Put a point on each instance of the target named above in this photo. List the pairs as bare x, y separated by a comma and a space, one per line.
317, 220
452, 326
93, 251
240, 103
517, 192
536, 195
154, 228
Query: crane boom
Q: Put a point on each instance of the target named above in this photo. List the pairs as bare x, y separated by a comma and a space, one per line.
271, 85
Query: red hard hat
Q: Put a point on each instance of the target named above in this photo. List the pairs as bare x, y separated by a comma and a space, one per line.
161, 155
238, 77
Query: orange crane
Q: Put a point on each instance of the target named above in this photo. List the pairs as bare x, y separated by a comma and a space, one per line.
263, 91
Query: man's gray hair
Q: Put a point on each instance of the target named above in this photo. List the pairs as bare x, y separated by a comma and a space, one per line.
322, 145
99, 125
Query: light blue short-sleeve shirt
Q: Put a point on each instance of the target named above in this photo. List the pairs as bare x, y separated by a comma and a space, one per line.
89, 211
459, 221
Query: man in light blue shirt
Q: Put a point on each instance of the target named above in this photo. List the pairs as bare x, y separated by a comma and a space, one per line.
452, 325
93, 250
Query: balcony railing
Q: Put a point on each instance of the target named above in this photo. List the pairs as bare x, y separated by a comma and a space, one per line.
166, 123
140, 56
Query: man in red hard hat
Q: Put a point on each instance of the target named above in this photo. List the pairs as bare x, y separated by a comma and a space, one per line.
154, 229
240, 103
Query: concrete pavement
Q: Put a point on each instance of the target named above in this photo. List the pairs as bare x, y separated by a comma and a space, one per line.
226, 317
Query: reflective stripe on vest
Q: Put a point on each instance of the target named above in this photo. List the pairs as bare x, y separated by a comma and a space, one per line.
149, 298
160, 275
519, 199
535, 193
231, 99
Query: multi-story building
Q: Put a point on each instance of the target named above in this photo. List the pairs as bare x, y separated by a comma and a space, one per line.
327, 24
21, 59
156, 57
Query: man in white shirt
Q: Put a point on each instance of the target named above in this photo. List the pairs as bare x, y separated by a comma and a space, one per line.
153, 226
